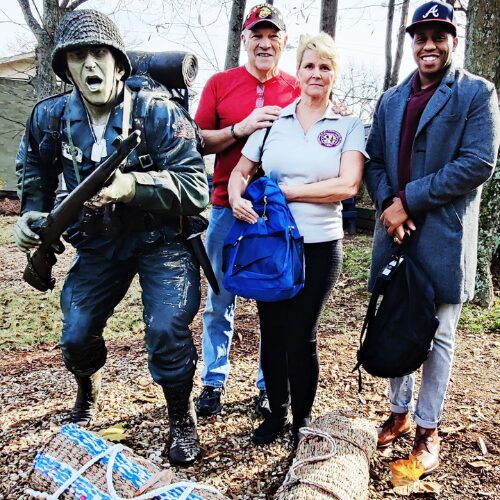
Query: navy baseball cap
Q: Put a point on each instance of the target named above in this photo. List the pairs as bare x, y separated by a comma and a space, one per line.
434, 12
261, 13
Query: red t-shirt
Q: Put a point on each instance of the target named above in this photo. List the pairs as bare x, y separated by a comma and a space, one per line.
228, 98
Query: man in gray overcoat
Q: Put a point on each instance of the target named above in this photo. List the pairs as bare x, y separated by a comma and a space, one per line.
433, 143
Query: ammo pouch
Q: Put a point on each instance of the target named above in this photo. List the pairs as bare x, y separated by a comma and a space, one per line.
116, 219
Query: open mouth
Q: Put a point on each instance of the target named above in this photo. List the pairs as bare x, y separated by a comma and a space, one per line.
263, 54
93, 83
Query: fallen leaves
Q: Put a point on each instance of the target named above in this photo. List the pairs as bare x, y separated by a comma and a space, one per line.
405, 471
116, 433
482, 445
406, 478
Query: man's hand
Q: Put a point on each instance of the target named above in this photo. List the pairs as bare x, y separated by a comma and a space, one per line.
25, 238
121, 189
339, 108
258, 118
396, 220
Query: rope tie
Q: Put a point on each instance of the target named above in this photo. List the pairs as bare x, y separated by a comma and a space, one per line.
292, 479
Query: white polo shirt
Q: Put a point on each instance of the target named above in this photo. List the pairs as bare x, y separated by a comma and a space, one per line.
292, 157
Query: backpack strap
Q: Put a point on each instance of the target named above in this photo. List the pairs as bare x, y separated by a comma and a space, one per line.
54, 131
141, 103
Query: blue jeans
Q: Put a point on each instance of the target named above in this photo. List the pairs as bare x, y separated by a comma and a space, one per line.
218, 318
170, 281
436, 374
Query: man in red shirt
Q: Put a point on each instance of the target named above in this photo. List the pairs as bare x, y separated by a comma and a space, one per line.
235, 103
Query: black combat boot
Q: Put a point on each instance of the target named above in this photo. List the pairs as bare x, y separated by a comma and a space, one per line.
184, 444
86, 398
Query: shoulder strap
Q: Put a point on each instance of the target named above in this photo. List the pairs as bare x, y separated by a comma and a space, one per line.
54, 122
138, 121
268, 129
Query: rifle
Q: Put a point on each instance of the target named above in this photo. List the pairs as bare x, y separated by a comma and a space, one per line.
38, 271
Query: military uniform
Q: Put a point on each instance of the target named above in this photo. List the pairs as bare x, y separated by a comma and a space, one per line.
114, 243
174, 184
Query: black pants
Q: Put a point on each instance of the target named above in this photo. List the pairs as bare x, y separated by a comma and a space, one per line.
289, 354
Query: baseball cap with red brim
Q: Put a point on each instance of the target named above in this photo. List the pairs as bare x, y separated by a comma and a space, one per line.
264, 13
434, 12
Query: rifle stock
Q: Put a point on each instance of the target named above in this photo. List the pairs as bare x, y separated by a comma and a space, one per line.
38, 271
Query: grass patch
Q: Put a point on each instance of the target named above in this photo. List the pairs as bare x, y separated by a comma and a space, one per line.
31, 318
476, 320
357, 257
6, 235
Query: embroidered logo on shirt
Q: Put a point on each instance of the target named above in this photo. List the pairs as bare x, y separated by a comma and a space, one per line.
329, 138
182, 128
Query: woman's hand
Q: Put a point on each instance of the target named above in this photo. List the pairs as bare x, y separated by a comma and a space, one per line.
243, 210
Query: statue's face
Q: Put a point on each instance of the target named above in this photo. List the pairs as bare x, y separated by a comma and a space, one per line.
96, 74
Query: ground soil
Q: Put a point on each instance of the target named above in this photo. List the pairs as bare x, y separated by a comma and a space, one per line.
36, 392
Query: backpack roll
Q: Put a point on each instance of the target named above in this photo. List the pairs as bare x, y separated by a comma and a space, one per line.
265, 261
397, 333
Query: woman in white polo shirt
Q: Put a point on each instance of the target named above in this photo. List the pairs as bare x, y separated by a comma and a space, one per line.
317, 157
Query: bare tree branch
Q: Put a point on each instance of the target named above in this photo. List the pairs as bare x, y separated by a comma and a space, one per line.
33, 24
11, 120
74, 4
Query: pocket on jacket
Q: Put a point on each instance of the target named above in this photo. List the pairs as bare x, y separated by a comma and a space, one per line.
452, 216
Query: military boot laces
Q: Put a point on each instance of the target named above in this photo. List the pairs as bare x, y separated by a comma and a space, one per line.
85, 407
184, 443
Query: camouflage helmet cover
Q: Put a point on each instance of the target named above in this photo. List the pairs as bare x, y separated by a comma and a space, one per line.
87, 28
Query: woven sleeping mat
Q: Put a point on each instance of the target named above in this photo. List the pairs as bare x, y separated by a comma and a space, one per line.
63, 469
332, 460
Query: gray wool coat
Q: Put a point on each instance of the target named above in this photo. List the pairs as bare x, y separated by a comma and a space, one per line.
454, 153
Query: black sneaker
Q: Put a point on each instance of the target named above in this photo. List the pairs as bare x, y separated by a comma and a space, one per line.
208, 402
262, 407
269, 430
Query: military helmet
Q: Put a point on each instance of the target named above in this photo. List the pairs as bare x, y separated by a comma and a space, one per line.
87, 28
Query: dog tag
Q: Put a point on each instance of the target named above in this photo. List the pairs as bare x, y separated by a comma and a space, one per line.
98, 151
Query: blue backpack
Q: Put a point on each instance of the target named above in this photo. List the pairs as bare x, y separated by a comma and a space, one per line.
265, 261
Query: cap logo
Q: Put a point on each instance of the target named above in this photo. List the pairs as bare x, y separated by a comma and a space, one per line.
434, 10
264, 12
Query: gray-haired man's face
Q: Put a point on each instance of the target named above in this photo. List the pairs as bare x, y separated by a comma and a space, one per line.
96, 74
264, 46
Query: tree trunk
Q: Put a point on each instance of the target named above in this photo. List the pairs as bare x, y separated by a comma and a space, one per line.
481, 58
400, 44
45, 82
388, 45
328, 20
234, 34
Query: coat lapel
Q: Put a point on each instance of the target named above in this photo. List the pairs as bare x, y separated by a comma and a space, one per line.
396, 108
438, 100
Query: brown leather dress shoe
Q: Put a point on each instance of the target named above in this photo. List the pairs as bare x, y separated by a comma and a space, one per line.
398, 424
426, 448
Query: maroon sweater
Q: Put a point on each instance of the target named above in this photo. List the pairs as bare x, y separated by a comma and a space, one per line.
416, 104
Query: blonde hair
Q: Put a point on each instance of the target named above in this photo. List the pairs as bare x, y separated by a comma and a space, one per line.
323, 44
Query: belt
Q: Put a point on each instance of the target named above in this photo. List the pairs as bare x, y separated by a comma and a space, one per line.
117, 219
